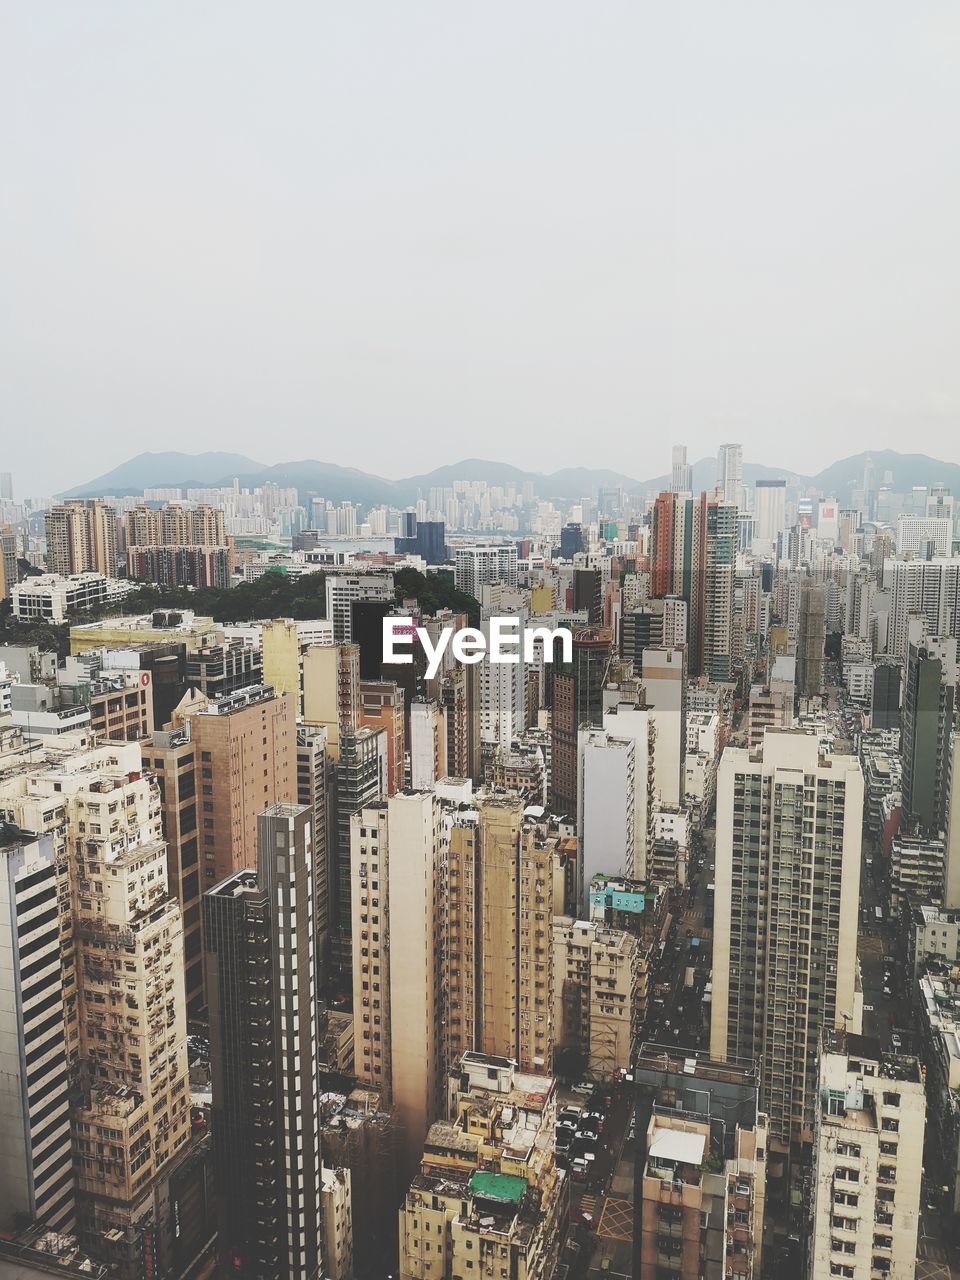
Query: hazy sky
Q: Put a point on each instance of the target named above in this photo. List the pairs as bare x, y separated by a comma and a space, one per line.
392, 235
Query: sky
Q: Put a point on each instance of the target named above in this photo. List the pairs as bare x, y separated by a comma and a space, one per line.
392, 236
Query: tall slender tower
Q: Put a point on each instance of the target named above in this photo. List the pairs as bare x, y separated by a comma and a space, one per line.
730, 472
258, 942
577, 702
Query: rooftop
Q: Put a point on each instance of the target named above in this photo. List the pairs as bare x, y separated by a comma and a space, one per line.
503, 1187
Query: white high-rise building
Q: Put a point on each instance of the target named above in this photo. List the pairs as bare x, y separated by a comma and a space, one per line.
787, 885
868, 1161
915, 532
477, 566
341, 591
627, 720
681, 474
730, 472
930, 587
606, 805
770, 513
503, 692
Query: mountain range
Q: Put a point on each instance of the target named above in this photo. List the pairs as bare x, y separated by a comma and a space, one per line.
337, 484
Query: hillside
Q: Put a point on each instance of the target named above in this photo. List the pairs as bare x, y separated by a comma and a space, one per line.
313, 478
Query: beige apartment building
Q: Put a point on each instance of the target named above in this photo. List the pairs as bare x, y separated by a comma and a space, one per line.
82, 538
488, 1199
175, 526
172, 758
246, 750
596, 973
125, 1026
396, 877
331, 691
868, 1161
499, 961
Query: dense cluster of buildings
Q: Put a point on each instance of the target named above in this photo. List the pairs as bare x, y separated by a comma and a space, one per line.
309, 943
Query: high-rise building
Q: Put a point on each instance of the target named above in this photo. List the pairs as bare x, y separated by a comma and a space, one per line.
186, 566
924, 535
787, 881
172, 757
665, 687
381, 707
693, 556
885, 698
811, 640
627, 719
930, 587
342, 589
930, 689
606, 806
360, 780
258, 944
123, 1029
36, 1171
396, 872
681, 474
498, 946
246, 749
8, 561
331, 691
82, 538
770, 514
428, 744
314, 792
577, 702
719, 557
868, 1161
477, 566
730, 472
175, 526
503, 693
6, 486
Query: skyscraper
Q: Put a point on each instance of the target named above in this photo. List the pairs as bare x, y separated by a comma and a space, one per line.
770, 514
681, 476
577, 701
397, 860
693, 556
787, 884
811, 640
606, 806
730, 472
258, 944
36, 1169
930, 688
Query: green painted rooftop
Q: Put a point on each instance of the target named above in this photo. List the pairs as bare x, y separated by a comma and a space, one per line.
497, 1186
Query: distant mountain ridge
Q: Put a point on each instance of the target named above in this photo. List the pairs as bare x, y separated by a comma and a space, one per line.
337, 484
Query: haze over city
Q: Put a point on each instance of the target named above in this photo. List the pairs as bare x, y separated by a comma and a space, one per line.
395, 236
